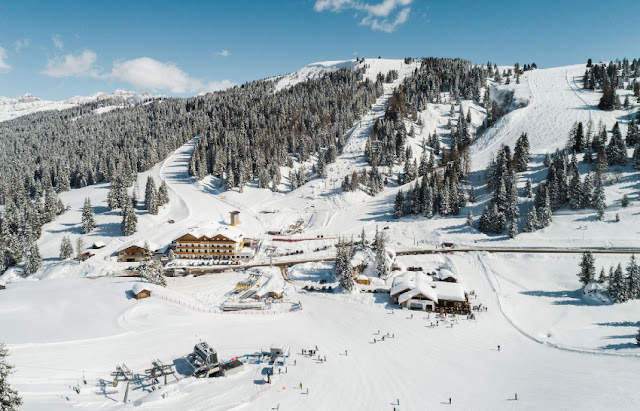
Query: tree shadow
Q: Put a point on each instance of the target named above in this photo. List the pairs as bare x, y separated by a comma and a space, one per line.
109, 230
620, 346
620, 324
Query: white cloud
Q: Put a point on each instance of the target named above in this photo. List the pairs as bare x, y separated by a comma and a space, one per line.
147, 73
380, 16
4, 66
224, 53
82, 65
57, 41
21, 43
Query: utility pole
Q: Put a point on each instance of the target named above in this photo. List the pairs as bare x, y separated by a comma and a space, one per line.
270, 251
122, 373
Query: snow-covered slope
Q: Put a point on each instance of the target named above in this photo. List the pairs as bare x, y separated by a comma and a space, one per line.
314, 70
11, 108
547, 332
553, 101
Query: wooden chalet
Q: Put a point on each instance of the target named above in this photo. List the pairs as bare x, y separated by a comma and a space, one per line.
132, 254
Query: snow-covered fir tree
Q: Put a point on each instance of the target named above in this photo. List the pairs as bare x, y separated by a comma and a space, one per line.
33, 259
151, 271
163, 194
598, 201
66, 248
587, 268
129, 220
151, 196
531, 221
633, 278
9, 398
88, 219
618, 286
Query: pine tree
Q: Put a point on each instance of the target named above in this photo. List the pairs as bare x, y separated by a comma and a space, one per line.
636, 157
528, 189
616, 150
521, 154
129, 220
398, 207
382, 263
633, 278
34, 260
599, 201
544, 212
608, 100
576, 197
152, 271
66, 248
88, 220
9, 398
587, 268
618, 286
171, 255
163, 194
513, 228
469, 219
151, 196
485, 221
531, 221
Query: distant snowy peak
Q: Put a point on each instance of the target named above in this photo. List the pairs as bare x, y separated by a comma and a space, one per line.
314, 70
11, 108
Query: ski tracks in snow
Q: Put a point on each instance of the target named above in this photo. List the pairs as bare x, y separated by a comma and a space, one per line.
494, 283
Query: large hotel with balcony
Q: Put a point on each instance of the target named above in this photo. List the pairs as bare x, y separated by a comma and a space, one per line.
223, 244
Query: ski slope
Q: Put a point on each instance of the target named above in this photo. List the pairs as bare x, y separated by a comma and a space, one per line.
555, 101
558, 350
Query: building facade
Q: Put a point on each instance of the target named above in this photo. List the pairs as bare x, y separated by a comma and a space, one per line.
224, 245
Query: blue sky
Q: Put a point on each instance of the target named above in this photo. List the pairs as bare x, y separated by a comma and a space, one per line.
58, 49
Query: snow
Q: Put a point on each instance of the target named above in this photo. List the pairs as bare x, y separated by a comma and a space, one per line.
11, 108
560, 349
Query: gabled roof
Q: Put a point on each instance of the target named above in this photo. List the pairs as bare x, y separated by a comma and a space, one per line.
428, 292
409, 280
220, 233
450, 291
443, 274
137, 287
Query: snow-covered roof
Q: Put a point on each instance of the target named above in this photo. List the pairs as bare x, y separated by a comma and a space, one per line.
449, 291
229, 232
424, 288
408, 280
139, 243
137, 287
443, 274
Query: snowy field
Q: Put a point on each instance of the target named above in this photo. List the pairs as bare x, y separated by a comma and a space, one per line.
558, 351
429, 364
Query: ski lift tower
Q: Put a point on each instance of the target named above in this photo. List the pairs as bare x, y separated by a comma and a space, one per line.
270, 251
122, 373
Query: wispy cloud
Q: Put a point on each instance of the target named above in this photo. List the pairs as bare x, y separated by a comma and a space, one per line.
4, 66
81, 65
223, 53
147, 73
57, 41
383, 16
20, 44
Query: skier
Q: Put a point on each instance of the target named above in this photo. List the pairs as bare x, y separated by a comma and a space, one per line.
300, 385
374, 340
516, 396
412, 316
325, 358
498, 348
295, 362
307, 390
345, 353
383, 338
449, 400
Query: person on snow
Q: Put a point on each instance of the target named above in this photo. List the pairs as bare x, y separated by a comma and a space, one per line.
449, 400
498, 348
